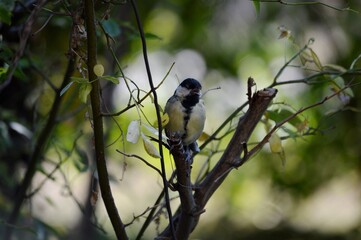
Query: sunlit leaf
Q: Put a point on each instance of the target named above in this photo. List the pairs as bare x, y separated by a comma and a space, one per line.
316, 60
204, 136
133, 131
275, 143
84, 91
150, 148
65, 88
165, 119
276, 147
151, 129
98, 70
21, 129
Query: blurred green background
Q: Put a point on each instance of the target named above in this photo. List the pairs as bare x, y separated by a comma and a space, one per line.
315, 194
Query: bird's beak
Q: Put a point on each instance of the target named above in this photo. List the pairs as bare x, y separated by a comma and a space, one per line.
196, 91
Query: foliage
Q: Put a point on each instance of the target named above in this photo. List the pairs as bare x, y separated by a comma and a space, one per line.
76, 97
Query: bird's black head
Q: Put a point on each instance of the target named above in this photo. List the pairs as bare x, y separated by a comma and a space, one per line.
195, 91
191, 83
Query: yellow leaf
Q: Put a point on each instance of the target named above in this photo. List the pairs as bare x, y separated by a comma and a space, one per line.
204, 136
165, 119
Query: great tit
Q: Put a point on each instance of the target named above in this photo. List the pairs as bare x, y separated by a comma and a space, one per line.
186, 113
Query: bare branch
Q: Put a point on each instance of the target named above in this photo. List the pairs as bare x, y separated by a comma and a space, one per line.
192, 205
159, 118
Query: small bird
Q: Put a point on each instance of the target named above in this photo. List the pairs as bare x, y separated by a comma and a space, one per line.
186, 113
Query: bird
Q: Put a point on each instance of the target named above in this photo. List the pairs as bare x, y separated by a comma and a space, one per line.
186, 114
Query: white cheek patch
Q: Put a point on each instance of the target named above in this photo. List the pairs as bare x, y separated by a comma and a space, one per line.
182, 91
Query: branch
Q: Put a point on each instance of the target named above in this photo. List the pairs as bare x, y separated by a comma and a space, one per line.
192, 205
107, 196
142, 159
236, 146
159, 118
188, 210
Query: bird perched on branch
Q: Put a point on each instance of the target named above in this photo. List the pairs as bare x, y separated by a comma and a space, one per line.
186, 113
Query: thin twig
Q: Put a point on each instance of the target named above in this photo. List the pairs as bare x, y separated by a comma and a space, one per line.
142, 159
308, 4
159, 118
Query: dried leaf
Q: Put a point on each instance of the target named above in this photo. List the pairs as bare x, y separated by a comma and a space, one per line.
284, 32
94, 198
150, 148
316, 60
133, 131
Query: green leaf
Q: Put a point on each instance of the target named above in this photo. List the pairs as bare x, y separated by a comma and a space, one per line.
84, 90
316, 60
281, 114
79, 80
111, 27
335, 68
152, 36
257, 6
114, 80
6, 7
